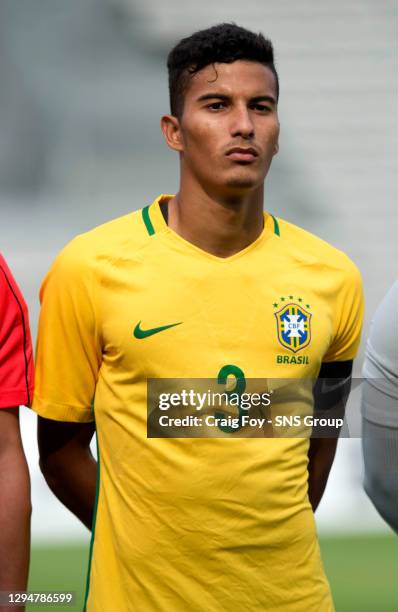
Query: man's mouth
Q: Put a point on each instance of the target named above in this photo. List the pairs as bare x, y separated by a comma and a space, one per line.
242, 154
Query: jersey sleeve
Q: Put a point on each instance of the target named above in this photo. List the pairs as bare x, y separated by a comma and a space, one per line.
380, 458
16, 358
348, 311
380, 369
69, 352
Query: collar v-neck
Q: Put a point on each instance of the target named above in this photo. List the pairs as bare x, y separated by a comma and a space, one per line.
155, 223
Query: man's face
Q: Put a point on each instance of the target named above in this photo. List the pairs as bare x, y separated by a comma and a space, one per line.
229, 127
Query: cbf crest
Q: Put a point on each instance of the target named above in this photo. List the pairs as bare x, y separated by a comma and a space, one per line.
293, 322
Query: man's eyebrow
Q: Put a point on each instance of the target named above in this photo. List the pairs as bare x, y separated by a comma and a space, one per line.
211, 96
221, 96
269, 99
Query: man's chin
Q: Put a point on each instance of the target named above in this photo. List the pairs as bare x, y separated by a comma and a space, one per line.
242, 182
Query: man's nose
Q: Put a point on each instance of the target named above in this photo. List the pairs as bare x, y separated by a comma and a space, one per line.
242, 124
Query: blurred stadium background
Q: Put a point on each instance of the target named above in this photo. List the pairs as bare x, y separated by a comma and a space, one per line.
83, 85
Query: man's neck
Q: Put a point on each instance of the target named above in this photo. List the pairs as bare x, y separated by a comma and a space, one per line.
220, 226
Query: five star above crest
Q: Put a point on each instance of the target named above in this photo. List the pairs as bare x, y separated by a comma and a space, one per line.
292, 298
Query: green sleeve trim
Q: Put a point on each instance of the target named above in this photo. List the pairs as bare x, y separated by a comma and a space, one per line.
277, 231
147, 220
90, 557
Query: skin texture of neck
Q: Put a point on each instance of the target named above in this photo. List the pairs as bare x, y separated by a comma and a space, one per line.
218, 224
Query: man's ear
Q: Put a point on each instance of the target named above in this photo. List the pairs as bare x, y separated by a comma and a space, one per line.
170, 126
276, 145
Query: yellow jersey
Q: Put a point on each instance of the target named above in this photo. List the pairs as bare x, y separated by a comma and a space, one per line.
211, 524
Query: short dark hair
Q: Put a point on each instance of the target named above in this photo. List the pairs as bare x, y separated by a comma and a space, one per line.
222, 43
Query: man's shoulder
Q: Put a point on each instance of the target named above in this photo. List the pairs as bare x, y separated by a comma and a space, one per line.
6, 275
109, 240
9, 290
310, 248
90, 254
127, 230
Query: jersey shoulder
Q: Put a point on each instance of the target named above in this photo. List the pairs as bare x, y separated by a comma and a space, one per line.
108, 247
112, 237
10, 293
308, 247
382, 346
111, 241
7, 281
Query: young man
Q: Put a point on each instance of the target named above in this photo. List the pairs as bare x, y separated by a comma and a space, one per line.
197, 285
16, 388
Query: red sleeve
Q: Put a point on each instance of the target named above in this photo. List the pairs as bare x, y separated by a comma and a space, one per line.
16, 358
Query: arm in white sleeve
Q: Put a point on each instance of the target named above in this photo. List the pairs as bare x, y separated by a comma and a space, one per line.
380, 452
380, 410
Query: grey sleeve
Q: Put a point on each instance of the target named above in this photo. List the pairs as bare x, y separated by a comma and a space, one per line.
380, 410
380, 370
380, 453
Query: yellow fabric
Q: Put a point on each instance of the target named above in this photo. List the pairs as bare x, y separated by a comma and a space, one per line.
192, 524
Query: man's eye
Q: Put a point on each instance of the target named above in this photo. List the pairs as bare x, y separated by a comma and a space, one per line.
262, 108
216, 105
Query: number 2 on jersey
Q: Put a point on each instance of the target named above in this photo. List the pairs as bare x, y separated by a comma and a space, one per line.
238, 389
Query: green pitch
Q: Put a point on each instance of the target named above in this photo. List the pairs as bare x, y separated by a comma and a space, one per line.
362, 571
